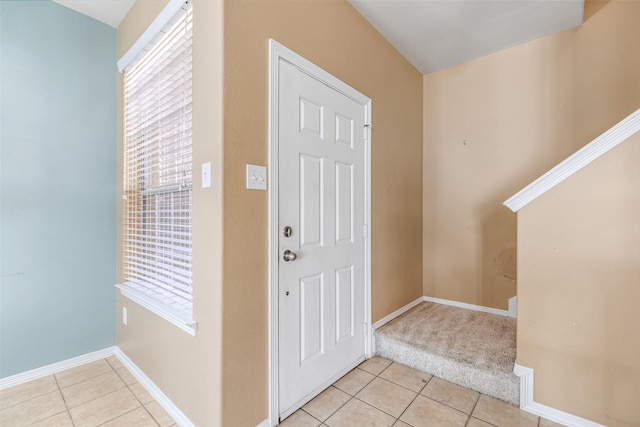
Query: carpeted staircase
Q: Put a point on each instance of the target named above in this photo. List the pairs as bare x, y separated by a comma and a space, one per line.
469, 348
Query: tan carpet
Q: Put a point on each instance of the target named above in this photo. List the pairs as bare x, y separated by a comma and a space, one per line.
473, 349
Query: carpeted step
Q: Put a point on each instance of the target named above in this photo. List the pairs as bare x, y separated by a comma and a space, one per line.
469, 348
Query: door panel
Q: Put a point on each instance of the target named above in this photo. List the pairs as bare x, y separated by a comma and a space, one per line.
311, 316
344, 202
311, 177
344, 303
321, 180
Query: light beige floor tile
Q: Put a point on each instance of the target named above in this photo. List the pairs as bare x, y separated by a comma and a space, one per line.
27, 391
451, 394
105, 408
548, 423
354, 381
60, 420
300, 419
375, 365
136, 418
326, 403
502, 414
405, 376
92, 388
401, 424
115, 362
159, 414
126, 376
141, 393
387, 396
83, 372
358, 413
426, 412
37, 409
474, 422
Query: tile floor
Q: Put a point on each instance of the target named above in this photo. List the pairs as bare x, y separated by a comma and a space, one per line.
376, 393
382, 393
102, 393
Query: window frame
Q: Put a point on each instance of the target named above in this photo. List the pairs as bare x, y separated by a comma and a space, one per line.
149, 192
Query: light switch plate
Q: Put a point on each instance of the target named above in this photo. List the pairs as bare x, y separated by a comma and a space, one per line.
256, 177
206, 175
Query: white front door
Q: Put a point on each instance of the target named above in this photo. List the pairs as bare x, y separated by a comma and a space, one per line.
321, 187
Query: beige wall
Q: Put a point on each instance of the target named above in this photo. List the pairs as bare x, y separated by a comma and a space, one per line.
494, 124
335, 37
579, 287
188, 369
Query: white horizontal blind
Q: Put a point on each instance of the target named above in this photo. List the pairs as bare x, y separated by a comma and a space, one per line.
157, 220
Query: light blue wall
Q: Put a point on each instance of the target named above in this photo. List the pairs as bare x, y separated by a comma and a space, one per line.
58, 185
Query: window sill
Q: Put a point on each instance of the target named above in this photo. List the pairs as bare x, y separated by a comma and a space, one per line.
169, 314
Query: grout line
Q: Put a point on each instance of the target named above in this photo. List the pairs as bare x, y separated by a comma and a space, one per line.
391, 382
30, 398
128, 387
414, 398
474, 408
86, 378
405, 409
66, 406
308, 414
379, 409
121, 415
341, 406
406, 388
451, 407
142, 404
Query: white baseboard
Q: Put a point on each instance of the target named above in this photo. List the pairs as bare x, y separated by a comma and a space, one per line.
513, 307
179, 417
396, 313
264, 423
54, 368
527, 403
467, 306
526, 384
412, 304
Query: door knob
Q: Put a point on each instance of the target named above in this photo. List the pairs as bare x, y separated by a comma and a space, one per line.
289, 256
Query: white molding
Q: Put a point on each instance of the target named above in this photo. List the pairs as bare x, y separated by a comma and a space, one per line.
264, 423
167, 313
272, 172
528, 404
467, 306
560, 417
54, 368
513, 307
398, 312
158, 24
178, 416
581, 158
276, 53
417, 301
526, 384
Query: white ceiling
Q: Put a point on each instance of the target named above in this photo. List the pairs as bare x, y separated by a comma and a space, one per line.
436, 34
431, 34
111, 12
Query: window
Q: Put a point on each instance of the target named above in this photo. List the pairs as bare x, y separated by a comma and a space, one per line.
157, 168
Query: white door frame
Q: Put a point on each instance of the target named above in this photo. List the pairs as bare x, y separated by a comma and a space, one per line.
276, 53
